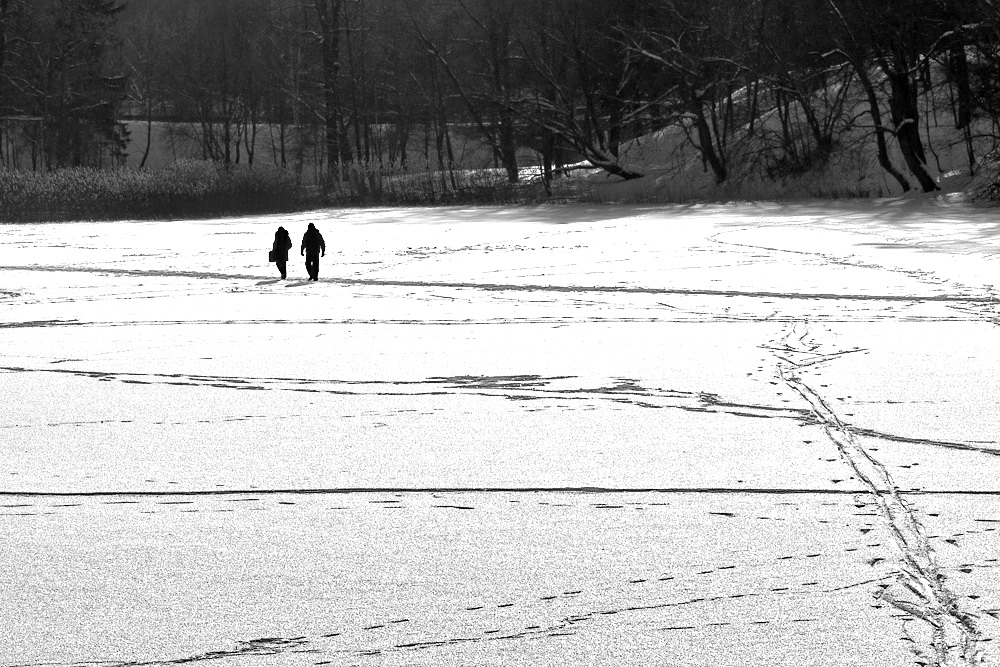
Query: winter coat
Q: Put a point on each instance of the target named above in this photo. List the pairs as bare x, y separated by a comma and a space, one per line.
282, 244
312, 241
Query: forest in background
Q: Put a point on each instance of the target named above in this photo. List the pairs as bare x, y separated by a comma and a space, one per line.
358, 91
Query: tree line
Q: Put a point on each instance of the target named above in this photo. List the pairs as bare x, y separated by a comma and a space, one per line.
768, 86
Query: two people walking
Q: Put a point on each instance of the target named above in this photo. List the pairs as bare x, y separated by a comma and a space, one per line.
313, 247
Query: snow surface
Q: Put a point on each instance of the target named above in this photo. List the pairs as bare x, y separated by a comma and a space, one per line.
691, 435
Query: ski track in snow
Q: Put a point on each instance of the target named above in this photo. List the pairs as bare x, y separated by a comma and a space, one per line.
952, 636
919, 588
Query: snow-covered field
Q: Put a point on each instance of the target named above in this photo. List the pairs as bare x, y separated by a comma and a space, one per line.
702, 435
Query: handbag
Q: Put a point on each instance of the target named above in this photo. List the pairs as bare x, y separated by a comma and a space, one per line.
270, 255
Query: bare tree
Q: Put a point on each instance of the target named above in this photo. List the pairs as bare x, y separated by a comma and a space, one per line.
65, 83
899, 41
808, 94
480, 68
586, 90
330, 17
697, 46
5, 10
146, 36
5, 17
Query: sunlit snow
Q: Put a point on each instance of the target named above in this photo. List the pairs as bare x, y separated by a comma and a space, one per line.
688, 435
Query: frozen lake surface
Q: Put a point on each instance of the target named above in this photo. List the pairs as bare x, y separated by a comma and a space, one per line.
703, 435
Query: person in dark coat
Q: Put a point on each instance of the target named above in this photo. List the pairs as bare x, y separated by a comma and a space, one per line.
282, 244
312, 247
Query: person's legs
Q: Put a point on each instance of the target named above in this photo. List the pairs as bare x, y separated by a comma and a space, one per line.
312, 265
281, 267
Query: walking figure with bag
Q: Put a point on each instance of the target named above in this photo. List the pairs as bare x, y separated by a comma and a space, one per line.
279, 251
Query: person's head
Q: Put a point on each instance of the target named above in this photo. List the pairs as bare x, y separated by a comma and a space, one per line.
312, 226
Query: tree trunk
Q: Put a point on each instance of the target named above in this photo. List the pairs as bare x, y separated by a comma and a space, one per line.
614, 133
356, 113
149, 133
611, 165
3, 48
876, 114
338, 150
960, 76
548, 149
499, 37
508, 147
706, 144
905, 118
754, 87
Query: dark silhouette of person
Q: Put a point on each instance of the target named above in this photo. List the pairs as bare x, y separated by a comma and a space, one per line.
312, 246
282, 244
